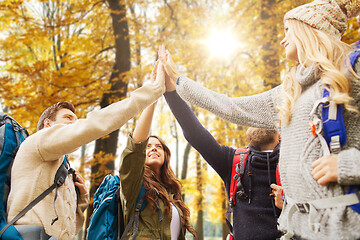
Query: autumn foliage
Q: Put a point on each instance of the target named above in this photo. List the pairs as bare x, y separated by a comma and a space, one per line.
67, 50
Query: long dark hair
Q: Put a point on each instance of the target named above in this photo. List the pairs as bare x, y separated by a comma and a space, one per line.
167, 184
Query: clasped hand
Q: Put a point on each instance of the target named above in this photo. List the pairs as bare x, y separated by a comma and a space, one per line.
325, 169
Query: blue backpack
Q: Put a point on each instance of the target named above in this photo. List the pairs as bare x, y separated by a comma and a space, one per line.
334, 129
11, 136
107, 220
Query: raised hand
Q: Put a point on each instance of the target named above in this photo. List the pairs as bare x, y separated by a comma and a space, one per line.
154, 71
158, 74
169, 64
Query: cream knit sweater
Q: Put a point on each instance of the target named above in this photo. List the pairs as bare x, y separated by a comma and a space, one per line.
299, 148
41, 154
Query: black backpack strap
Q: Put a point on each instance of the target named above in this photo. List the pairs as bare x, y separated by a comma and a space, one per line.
227, 214
238, 169
159, 210
135, 217
60, 178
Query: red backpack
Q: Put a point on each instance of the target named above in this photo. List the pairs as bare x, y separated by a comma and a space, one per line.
238, 169
236, 187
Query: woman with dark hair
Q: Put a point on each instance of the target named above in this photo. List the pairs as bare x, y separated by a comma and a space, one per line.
146, 160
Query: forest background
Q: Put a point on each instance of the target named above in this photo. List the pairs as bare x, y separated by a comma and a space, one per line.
95, 52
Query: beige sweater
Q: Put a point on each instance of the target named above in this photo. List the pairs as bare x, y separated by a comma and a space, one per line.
41, 154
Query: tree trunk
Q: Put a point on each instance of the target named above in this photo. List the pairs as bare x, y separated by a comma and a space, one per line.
82, 160
200, 200
105, 148
269, 38
174, 133
225, 205
185, 164
80, 235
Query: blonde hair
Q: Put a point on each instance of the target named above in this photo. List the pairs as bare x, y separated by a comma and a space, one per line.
329, 56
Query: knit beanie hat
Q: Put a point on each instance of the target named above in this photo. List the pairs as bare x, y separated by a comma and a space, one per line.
329, 16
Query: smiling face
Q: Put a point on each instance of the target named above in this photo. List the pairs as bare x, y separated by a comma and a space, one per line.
155, 155
289, 44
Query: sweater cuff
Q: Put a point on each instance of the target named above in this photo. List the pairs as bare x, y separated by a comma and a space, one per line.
84, 201
349, 167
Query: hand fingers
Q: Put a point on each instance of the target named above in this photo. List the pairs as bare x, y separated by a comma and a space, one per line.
154, 70
161, 53
275, 187
160, 76
318, 173
79, 177
275, 194
82, 187
317, 162
323, 175
169, 58
324, 179
319, 169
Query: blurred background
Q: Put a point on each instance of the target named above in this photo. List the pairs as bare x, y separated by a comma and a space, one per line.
93, 53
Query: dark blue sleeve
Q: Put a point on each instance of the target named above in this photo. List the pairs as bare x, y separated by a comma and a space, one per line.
218, 156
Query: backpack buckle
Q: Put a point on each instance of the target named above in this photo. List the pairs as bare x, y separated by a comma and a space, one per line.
335, 145
231, 200
241, 194
60, 181
303, 207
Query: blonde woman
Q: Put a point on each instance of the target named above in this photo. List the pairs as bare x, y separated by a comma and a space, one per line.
315, 182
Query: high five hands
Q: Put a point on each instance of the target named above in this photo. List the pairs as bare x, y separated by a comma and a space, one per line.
158, 75
171, 72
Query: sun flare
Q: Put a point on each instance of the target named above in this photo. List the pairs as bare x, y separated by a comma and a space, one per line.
221, 43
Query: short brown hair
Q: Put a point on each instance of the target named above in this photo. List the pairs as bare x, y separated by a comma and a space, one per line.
258, 137
50, 113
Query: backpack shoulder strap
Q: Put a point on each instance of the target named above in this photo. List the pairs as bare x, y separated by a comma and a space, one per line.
139, 206
355, 54
333, 124
238, 169
60, 178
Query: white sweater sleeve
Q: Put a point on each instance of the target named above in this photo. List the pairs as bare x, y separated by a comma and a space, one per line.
256, 111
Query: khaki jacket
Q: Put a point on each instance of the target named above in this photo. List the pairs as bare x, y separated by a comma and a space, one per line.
131, 175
